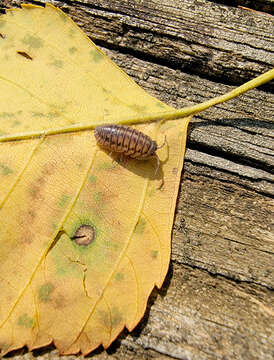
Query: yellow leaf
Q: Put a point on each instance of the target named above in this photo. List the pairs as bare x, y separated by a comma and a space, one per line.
83, 239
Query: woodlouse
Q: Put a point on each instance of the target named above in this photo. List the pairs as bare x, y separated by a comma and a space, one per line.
128, 141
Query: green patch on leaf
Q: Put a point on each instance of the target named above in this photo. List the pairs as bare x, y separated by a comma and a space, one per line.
16, 123
116, 316
139, 108
119, 276
140, 226
65, 269
37, 114
104, 316
92, 179
160, 105
63, 201
106, 165
5, 170
2, 23
154, 254
6, 114
72, 50
33, 41
96, 56
25, 321
49, 115
97, 196
45, 291
71, 32
57, 63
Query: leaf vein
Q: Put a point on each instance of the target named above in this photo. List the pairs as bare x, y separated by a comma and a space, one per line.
158, 238
36, 98
137, 285
51, 242
19, 176
118, 263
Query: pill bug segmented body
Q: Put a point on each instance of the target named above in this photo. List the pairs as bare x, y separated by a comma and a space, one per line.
126, 140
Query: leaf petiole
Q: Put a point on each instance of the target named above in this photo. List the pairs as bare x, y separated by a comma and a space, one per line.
192, 110
164, 116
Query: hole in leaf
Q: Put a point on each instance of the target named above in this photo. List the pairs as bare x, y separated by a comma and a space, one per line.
84, 235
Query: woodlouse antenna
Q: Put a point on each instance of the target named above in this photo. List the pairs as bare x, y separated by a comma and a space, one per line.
163, 144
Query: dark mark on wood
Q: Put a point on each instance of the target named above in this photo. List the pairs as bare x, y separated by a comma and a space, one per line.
23, 53
84, 235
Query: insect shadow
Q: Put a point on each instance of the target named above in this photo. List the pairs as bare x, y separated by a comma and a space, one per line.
144, 168
129, 143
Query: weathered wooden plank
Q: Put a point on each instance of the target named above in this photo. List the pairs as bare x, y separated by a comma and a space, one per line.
209, 318
219, 229
259, 5
217, 301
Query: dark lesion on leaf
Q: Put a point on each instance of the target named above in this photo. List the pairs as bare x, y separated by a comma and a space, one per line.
25, 55
84, 235
2, 36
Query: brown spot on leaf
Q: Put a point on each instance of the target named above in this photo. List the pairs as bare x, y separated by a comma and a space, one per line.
174, 171
2, 36
84, 235
36, 188
24, 54
59, 301
27, 217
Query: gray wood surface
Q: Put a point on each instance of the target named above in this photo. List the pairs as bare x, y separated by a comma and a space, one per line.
217, 300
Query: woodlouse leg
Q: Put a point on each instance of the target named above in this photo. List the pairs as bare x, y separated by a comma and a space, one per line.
156, 171
121, 158
113, 158
163, 144
158, 165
